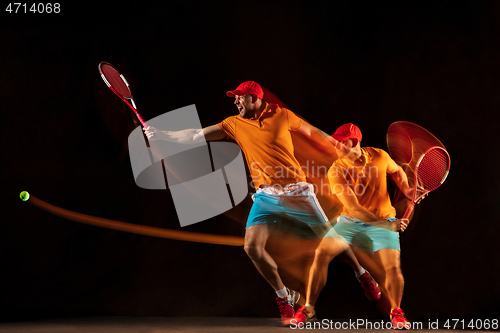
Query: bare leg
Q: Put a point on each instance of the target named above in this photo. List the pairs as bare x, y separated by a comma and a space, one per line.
389, 260
328, 249
256, 238
294, 257
349, 257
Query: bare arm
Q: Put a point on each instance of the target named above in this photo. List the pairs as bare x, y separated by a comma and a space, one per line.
209, 133
401, 180
213, 133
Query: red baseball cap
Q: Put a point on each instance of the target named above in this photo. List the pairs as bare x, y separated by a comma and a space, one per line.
247, 88
348, 131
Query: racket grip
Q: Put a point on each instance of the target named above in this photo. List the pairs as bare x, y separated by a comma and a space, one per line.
408, 211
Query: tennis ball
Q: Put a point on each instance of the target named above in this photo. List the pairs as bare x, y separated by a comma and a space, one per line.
24, 195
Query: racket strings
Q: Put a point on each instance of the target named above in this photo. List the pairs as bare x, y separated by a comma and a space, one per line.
433, 169
116, 81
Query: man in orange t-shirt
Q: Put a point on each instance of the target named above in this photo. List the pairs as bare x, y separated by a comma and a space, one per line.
359, 180
263, 132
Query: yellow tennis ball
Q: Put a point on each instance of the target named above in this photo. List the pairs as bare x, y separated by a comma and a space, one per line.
24, 195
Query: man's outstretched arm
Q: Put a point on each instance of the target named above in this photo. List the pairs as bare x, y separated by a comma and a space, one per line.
210, 133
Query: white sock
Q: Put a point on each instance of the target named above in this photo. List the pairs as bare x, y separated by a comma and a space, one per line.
282, 293
361, 272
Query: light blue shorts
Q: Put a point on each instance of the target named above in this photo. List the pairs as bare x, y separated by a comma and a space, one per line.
300, 205
363, 235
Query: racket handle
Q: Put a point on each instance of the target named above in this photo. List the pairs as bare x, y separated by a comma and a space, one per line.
408, 211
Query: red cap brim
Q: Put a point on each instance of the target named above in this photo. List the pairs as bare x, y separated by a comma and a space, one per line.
340, 137
232, 93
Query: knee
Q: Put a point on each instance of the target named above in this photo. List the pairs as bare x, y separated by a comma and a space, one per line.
329, 248
253, 250
323, 254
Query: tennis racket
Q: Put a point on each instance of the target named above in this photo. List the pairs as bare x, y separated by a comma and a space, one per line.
421, 155
119, 85
430, 172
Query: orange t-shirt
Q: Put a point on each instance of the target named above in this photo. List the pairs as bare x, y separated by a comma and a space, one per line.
267, 145
368, 182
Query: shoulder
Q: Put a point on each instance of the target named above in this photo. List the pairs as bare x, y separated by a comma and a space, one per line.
229, 120
228, 126
295, 121
287, 111
376, 152
381, 157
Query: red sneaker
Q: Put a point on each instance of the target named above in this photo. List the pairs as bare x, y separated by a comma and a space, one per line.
286, 310
399, 321
372, 291
301, 317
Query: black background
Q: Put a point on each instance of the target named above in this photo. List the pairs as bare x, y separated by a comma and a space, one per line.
64, 141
